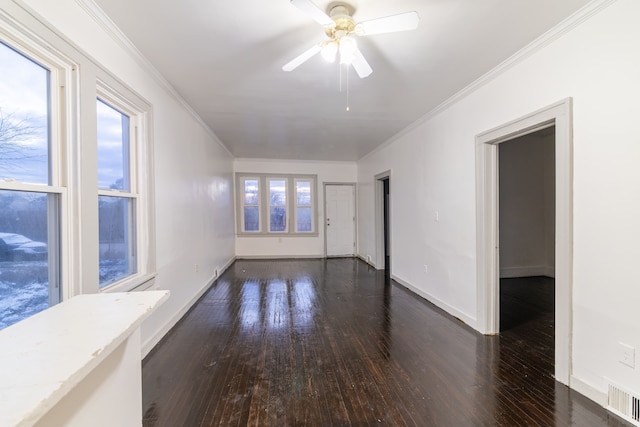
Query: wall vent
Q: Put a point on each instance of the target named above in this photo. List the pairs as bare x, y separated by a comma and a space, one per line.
623, 403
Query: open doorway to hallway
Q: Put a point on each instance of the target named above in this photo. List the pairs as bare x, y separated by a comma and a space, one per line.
558, 116
385, 225
383, 221
526, 228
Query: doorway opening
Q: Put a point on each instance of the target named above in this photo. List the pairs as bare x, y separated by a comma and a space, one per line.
526, 235
557, 117
385, 226
383, 221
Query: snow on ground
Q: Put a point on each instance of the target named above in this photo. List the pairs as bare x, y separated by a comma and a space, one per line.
24, 290
24, 287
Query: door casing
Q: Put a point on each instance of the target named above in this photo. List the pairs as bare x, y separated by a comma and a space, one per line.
487, 248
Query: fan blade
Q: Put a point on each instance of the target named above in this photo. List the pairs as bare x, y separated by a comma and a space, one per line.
310, 8
389, 24
300, 59
360, 64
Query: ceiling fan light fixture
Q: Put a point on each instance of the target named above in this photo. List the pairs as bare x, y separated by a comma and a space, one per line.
329, 51
348, 47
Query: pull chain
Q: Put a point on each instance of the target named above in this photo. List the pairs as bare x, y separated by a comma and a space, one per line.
346, 71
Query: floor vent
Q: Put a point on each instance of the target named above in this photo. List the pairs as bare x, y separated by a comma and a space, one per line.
624, 404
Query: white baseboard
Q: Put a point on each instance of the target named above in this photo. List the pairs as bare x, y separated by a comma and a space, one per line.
586, 389
465, 318
527, 271
371, 263
279, 256
150, 343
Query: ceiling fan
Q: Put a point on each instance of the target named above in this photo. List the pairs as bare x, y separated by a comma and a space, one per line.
340, 27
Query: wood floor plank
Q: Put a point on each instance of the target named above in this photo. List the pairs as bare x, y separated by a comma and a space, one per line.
336, 343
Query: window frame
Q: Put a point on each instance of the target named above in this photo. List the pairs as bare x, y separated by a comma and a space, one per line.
287, 200
140, 188
296, 206
75, 81
241, 199
60, 86
265, 204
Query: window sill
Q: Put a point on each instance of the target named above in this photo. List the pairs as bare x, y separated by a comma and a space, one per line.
136, 283
316, 234
39, 372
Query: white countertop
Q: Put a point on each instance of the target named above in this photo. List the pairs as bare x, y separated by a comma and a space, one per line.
43, 357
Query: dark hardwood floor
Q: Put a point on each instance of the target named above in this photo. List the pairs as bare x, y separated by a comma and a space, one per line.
334, 343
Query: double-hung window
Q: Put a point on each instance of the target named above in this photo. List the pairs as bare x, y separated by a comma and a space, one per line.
278, 221
116, 194
122, 217
276, 205
304, 206
250, 201
76, 207
31, 183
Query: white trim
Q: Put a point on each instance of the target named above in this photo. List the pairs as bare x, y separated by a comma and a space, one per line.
583, 14
135, 282
487, 250
154, 339
450, 310
588, 390
139, 167
290, 161
319, 256
30, 40
364, 259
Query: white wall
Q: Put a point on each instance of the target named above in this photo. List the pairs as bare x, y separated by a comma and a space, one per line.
597, 62
193, 172
297, 246
527, 205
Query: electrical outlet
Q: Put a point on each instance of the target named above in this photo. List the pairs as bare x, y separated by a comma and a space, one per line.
426, 268
627, 355
369, 259
195, 268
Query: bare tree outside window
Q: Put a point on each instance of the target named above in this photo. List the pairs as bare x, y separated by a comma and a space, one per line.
16, 136
28, 283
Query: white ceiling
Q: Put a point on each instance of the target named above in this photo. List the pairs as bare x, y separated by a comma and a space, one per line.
225, 59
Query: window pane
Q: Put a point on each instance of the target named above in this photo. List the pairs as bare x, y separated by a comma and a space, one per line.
303, 219
303, 193
251, 218
277, 201
278, 216
251, 195
113, 148
117, 240
24, 119
25, 281
278, 192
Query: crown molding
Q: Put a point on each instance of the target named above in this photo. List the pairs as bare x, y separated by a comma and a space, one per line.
555, 33
112, 30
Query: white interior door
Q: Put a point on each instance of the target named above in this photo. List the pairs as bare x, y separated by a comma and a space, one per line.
340, 219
